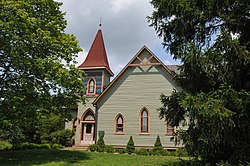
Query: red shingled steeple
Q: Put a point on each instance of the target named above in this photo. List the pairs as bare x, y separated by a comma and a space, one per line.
97, 56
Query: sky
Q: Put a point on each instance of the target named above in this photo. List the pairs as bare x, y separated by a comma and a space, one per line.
124, 27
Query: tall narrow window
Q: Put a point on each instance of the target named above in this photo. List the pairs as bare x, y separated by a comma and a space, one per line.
119, 129
144, 121
91, 86
170, 129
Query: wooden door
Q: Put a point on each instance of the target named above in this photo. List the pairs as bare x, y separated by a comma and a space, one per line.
88, 133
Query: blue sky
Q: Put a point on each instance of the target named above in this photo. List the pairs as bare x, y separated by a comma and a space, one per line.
124, 26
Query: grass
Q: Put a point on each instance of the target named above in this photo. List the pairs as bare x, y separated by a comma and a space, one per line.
77, 158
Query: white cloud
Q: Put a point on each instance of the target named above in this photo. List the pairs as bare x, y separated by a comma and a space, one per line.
81, 57
124, 26
120, 5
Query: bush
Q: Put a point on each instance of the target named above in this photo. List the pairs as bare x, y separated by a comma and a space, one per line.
158, 145
44, 146
93, 148
181, 152
5, 145
109, 149
143, 152
130, 145
100, 141
30, 146
62, 137
56, 146
121, 150
161, 152
222, 163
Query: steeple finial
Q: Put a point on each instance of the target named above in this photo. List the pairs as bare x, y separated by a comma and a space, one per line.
100, 24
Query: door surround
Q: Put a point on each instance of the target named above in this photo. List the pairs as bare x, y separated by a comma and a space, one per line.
87, 127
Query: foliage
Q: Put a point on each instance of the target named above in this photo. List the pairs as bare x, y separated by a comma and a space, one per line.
93, 148
157, 145
211, 38
30, 146
62, 137
144, 152
121, 150
130, 145
109, 149
5, 145
76, 158
100, 141
56, 146
37, 71
181, 152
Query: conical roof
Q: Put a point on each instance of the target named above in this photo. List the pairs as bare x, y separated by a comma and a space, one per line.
97, 56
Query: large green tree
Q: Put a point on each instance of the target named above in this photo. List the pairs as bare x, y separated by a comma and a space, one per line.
38, 77
212, 40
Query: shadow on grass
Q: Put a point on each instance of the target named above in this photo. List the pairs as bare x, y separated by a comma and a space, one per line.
37, 157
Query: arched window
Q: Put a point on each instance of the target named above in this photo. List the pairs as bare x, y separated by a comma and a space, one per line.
144, 121
89, 117
119, 127
91, 86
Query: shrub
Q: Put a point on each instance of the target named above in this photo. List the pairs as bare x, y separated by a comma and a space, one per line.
62, 137
143, 152
93, 148
44, 146
222, 163
130, 145
161, 152
100, 141
181, 152
30, 146
121, 150
158, 145
109, 149
56, 146
5, 145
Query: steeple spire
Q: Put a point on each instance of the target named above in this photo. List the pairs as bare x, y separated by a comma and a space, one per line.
97, 56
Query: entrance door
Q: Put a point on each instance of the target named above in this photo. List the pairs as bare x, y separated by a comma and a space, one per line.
88, 133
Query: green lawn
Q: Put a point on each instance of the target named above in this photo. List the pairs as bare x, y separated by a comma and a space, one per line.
77, 158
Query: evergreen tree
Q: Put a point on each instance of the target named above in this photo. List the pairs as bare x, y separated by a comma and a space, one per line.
158, 145
100, 141
130, 145
211, 38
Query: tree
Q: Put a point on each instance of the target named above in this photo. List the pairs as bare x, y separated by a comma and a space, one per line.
37, 72
211, 38
130, 145
158, 145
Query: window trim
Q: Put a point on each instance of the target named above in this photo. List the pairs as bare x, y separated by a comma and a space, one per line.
116, 125
141, 121
94, 86
86, 113
166, 129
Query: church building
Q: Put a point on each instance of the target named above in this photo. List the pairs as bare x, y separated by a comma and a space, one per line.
127, 106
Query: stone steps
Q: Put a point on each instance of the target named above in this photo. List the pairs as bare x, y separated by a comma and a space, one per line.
77, 147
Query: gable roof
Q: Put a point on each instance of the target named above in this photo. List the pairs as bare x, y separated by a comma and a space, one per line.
130, 63
97, 56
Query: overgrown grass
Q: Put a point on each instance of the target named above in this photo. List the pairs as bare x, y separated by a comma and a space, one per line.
77, 158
